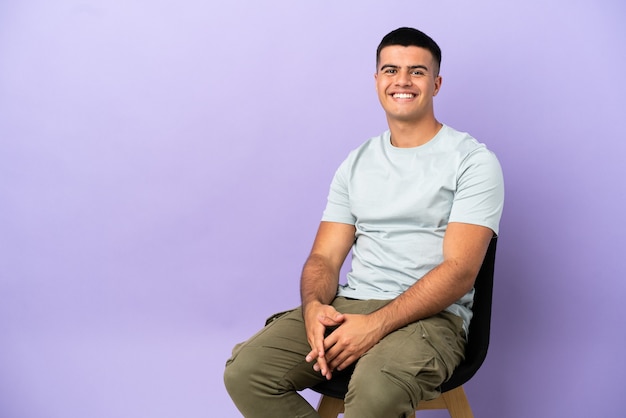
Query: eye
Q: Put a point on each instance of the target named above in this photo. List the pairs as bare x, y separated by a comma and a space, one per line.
390, 71
417, 72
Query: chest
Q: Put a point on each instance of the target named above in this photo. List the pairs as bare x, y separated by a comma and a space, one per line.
413, 191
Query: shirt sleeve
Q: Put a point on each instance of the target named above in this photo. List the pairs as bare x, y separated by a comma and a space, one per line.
338, 203
479, 198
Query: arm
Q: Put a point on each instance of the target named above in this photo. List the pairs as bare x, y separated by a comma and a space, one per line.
464, 249
320, 275
318, 284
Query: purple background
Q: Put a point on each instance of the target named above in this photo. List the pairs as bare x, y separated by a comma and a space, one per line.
164, 165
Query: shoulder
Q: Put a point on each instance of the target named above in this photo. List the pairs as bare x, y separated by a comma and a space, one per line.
467, 148
458, 141
374, 144
373, 147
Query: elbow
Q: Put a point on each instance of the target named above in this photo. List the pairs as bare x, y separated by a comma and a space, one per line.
465, 276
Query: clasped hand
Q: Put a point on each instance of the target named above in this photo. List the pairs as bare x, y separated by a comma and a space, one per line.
353, 336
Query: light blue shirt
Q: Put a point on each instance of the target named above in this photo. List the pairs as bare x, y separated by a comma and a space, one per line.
401, 200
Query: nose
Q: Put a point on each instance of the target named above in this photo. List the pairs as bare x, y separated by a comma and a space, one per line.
403, 78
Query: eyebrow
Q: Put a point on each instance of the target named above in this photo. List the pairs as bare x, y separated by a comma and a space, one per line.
410, 67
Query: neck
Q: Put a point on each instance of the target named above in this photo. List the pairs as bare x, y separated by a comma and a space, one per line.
410, 135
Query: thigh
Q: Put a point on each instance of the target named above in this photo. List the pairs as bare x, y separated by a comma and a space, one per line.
416, 359
277, 353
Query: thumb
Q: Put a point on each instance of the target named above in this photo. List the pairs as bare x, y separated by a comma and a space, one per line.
335, 319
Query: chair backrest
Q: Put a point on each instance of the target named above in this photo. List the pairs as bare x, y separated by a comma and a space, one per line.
480, 326
478, 339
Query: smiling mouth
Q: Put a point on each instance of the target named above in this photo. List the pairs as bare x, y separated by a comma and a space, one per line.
403, 95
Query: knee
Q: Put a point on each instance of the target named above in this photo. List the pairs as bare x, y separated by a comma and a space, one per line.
247, 372
244, 383
232, 376
376, 393
238, 375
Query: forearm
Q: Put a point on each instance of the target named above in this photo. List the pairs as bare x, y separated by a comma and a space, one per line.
464, 249
318, 287
436, 291
319, 281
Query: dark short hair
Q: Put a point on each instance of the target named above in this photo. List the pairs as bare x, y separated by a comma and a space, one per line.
410, 37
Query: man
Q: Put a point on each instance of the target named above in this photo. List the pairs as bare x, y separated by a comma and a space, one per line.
418, 206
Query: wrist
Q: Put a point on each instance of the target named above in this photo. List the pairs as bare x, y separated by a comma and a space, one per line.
381, 322
309, 305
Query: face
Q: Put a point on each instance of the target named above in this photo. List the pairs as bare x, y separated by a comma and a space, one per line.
406, 82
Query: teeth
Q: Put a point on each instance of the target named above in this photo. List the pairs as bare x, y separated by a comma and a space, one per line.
403, 95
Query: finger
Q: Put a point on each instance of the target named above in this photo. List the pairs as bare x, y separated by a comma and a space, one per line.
323, 368
320, 364
330, 342
335, 357
344, 364
316, 341
315, 352
311, 356
331, 320
338, 354
339, 359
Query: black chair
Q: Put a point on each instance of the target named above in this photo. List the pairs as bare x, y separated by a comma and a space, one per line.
452, 395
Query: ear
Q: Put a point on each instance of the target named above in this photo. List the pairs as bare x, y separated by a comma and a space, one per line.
438, 81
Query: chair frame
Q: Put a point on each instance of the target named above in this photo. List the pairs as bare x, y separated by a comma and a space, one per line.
452, 396
454, 400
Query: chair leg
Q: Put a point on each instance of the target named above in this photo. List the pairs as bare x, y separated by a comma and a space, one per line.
456, 401
329, 407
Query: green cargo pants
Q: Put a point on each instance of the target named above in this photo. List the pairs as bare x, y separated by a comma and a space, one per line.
265, 373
